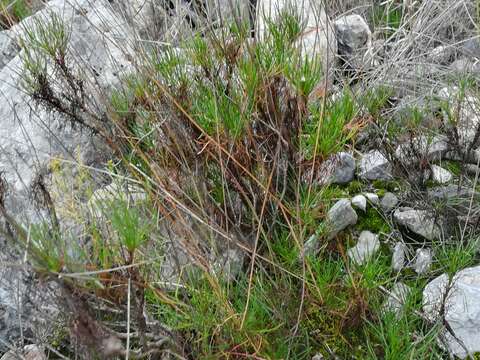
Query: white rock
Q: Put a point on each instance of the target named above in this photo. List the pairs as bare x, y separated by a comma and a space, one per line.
354, 39
398, 256
434, 148
374, 166
367, 246
389, 202
372, 198
440, 175
459, 301
339, 217
421, 222
397, 298
423, 260
360, 202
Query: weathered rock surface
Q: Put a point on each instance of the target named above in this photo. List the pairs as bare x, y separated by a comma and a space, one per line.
440, 175
340, 216
360, 202
366, 247
420, 222
337, 169
456, 302
372, 198
422, 261
399, 256
354, 40
374, 166
389, 202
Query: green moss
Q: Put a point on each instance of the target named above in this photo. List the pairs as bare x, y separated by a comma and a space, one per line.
386, 185
372, 221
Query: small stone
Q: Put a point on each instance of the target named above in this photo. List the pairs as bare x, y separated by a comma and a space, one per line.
373, 198
337, 169
423, 261
375, 166
360, 202
389, 202
340, 216
397, 298
420, 222
367, 246
398, 256
441, 175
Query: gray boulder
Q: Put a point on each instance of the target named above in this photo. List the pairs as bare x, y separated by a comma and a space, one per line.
374, 166
354, 40
455, 301
420, 222
339, 217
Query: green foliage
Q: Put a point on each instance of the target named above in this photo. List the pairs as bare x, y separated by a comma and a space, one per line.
373, 221
330, 128
130, 224
454, 256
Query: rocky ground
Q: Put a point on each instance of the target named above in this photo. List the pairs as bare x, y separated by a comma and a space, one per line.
352, 192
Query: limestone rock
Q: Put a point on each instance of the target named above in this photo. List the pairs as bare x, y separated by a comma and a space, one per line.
440, 175
340, 216
420, 222
367, 246
337, 169
374, 166
398, 256
423, 260
360, 202
458, 300
372, 198
354, 39
389, 202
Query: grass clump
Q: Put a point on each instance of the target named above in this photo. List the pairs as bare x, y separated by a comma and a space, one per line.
217, 135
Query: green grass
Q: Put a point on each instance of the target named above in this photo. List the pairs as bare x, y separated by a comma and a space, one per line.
218, 135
